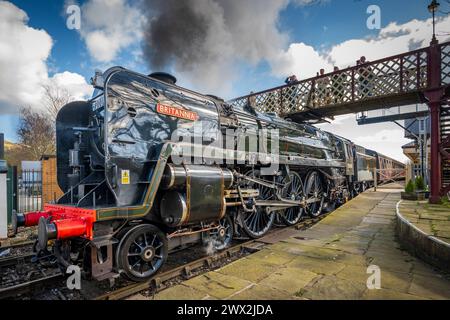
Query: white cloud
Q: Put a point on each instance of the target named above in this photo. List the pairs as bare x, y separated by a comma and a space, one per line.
388, 142
23, 55
73, 83
23, 63
108, 26
300, 59
394, 39
382, 136
386, 138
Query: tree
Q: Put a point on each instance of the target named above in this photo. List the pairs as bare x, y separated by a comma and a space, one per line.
410, 187
36, 133
420, 183
54, 99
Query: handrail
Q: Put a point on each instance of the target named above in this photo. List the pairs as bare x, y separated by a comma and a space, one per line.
397, 74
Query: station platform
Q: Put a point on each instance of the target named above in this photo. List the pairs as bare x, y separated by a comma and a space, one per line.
328, 261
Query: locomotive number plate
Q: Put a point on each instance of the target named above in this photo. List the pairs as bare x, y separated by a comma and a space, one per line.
176, 112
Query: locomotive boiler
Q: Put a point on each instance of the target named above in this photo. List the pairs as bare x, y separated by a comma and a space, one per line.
148, 167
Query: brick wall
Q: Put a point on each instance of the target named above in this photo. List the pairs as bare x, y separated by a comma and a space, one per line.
50, 188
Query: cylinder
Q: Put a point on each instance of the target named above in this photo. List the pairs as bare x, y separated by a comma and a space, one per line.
175, 176
228, 178
195, 193
174, 211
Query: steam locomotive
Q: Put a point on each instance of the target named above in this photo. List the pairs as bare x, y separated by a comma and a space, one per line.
148, 167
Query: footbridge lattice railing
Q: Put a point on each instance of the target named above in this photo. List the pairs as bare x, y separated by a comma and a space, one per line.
402, 74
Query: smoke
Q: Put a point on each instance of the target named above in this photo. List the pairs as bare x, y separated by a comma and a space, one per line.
204, 41
209, 247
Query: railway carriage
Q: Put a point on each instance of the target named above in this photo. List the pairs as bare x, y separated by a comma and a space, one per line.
148, 167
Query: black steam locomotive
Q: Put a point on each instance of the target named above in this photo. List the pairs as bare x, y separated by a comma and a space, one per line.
148, 167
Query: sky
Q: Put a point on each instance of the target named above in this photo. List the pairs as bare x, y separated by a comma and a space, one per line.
224, 47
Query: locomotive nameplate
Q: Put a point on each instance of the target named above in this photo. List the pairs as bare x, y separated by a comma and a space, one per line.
176, 112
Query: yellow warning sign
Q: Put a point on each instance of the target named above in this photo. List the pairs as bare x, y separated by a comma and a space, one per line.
125, 176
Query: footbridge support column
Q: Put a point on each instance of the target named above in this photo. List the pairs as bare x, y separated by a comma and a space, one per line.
434, 95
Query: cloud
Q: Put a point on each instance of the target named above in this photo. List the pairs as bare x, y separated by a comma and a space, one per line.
73, 83
393, 39
23, 55
387, 141
386, 138
23, 63
305, 3
382, 136
300, 59
109, 26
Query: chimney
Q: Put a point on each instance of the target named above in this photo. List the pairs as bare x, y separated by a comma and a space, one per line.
164, 77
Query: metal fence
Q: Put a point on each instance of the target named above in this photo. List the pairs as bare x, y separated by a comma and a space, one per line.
30, 190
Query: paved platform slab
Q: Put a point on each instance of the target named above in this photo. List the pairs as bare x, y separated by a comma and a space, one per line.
328, 261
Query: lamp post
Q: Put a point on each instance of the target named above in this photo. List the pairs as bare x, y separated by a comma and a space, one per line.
433, 7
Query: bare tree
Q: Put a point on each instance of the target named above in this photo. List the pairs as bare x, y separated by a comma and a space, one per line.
36, 133
54, 99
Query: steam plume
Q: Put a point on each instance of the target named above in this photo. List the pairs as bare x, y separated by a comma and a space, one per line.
204, 40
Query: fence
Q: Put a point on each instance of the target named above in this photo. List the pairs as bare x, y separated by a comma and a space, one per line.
383, 177
30, 190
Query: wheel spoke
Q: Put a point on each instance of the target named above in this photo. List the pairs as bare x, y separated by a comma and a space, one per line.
257, 223
138, 245
133, 254
136, 263
153, 241
145, 240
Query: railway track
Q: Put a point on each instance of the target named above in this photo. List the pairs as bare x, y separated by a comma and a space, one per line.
15, 249
185, 271
207, 263
20, 275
